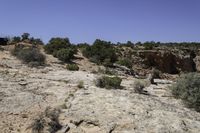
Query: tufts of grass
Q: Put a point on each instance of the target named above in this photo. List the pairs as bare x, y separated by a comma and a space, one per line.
187, 88
80, 84
72, 67
38, 125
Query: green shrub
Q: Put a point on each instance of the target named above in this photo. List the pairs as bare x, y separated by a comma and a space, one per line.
80, 84
109, 82
16, 39
29, 55
61, 48
187, 88
4, 41
36, 41
125, 62
83, 45
156, 74
1, 49
56, 44
101, 52
25, 36
150, 45
110, 72
72, 67
64, 55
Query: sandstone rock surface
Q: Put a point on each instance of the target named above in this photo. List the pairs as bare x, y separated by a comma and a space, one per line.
26, 92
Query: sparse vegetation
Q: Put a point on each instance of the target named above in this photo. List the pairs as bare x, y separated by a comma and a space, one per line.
109, 82
63, 106
36, 41
80, 84
187, 88
72, 67
53, 114
156, 74
1, 49
38, 125
25, 36
29, 55
108, 71
16, 39
139, 86
125, 62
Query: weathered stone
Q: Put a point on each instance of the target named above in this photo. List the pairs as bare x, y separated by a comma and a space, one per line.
168, 62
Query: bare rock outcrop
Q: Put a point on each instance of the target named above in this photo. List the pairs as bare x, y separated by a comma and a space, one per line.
104, 111
168, 62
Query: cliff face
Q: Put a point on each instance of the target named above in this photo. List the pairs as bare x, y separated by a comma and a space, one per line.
168, 61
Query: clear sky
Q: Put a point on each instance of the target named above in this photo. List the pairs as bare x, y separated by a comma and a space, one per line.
112, 20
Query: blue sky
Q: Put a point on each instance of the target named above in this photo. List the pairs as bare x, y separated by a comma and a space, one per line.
112, 20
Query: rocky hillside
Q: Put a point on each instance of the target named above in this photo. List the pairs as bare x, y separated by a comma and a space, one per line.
27, 95
166, 59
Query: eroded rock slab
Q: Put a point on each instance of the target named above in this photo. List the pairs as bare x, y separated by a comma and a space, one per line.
123, 111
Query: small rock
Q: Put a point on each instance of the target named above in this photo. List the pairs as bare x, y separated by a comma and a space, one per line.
162, 81
24, 116
23, 83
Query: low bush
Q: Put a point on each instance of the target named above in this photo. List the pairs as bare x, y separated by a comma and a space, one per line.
47, 122
56, 44
139, 86
16, 39
125, 62
101, 52
29, 55
150, 45
187, 88
109, 82
64, 55
36, 41
107, 71
72, 67
1, 49
110, 72
156, 74
25, 36
38, 125
53, 115
80, 84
